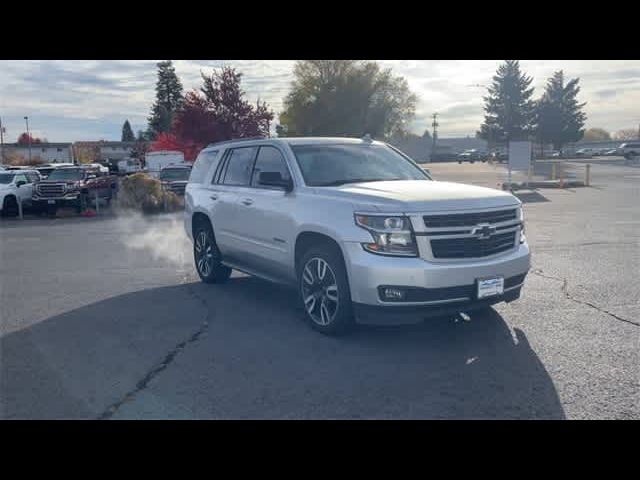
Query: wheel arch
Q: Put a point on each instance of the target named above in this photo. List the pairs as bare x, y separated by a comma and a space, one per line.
309, 238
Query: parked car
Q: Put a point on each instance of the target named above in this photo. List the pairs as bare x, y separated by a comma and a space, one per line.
499, 157
363, 233
584, 153
630, 149
175, 178
612, 152
472, 156
16, 186
75, 187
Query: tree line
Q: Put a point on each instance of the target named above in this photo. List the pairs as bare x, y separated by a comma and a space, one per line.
350, 98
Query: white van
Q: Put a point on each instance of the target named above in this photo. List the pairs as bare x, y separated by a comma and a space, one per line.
129, 166
156, 161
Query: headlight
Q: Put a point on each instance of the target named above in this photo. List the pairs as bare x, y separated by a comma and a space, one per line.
391, 235
522, 237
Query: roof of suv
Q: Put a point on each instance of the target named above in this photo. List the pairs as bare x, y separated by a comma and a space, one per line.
298, 141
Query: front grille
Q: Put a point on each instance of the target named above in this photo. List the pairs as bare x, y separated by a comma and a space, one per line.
469, 219
51, 189
472, 247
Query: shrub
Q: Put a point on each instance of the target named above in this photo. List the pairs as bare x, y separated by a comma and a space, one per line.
142, 192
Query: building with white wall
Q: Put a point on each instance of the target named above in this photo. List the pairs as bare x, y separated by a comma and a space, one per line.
47, 152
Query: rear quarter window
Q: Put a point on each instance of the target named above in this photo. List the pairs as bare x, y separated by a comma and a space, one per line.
205, 163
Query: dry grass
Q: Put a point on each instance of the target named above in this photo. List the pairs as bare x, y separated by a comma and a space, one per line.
145, 194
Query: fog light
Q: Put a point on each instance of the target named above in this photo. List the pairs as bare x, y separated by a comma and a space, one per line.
393, 294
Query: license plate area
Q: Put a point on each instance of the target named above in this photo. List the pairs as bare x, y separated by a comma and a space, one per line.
489, 287
51, 202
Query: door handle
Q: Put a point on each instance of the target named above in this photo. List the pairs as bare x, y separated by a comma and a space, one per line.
214, 197
247, 201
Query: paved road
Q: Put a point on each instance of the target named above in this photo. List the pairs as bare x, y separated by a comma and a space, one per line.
104, 318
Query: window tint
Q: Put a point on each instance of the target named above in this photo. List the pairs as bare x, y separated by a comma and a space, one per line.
269, 160
239, 166
203, 165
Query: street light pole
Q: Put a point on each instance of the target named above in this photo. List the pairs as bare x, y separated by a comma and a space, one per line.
1, 142
434, 136
26, 119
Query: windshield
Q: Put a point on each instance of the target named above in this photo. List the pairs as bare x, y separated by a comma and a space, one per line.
66, 174
6, 178
175, 174
325, 165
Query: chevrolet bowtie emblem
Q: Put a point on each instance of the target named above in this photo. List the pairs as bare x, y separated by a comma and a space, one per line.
483, 231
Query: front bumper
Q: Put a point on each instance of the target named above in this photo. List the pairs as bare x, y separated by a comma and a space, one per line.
401, 315
438, 286
66, 201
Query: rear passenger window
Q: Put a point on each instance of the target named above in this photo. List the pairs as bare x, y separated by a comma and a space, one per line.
203, 165
239, 166
269, 160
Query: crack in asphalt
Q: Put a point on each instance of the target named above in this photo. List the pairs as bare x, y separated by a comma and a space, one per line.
142, 384
565, 290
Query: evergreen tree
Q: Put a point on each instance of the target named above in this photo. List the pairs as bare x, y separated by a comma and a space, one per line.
169, 99
509, 110
127, 132
559, 116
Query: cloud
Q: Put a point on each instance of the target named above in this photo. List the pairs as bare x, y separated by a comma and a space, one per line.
80, 100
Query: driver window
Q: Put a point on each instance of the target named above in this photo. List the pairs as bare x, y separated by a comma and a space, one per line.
21, 178
269, 160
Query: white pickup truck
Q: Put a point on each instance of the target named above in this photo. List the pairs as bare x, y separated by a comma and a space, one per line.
16, 186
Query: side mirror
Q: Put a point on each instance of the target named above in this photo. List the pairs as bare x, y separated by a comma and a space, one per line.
274, 179
20, 182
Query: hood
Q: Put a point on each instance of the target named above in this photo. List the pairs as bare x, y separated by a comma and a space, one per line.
419, 196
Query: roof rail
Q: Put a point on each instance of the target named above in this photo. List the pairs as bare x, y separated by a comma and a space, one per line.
243, 139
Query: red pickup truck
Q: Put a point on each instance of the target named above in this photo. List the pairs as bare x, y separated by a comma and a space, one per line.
75, 187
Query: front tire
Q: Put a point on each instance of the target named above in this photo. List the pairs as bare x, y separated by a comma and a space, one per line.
323, 287
207, 257
10, 207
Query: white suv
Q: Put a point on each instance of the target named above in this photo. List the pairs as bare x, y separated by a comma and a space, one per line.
360, 229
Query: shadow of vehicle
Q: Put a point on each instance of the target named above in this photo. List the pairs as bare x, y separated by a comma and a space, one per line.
253, 357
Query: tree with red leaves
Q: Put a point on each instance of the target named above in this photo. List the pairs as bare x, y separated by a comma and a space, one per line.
215, 113
23, 139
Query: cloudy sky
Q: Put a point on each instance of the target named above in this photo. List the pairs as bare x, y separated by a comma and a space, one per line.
89, 100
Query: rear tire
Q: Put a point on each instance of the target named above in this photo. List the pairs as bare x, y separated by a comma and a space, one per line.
207, 256
324, 291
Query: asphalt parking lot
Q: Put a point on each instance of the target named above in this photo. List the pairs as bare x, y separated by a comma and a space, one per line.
104, 318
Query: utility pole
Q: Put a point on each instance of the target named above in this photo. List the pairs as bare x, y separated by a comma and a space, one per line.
434, 136
26, 119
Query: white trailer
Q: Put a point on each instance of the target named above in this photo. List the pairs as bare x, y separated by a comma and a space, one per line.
156, 161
